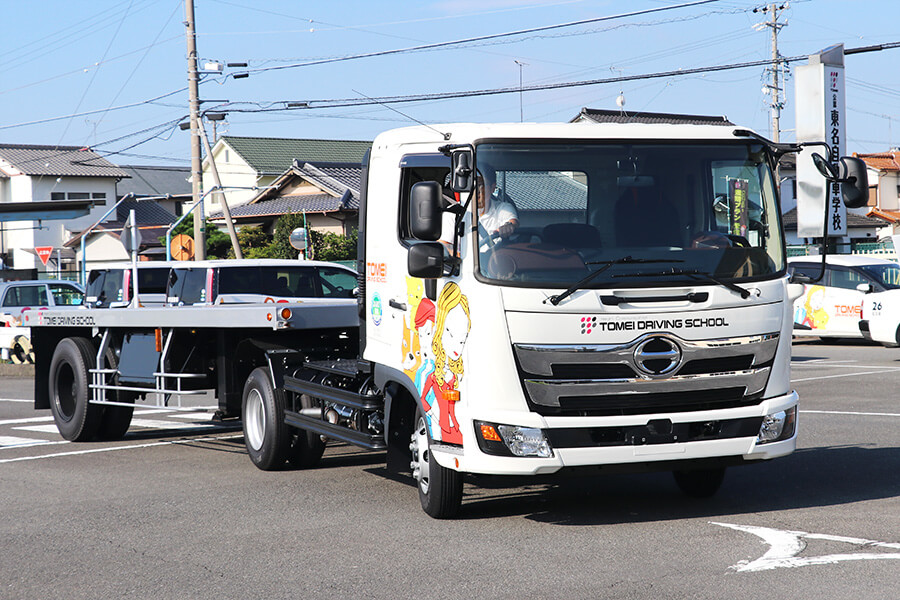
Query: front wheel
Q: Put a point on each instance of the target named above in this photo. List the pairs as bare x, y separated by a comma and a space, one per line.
76, 418
266, 436
702, 483
440, 488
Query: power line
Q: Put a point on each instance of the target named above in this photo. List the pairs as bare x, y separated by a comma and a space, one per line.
348, 102
478, 38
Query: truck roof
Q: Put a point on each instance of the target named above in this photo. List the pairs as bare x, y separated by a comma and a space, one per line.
471, 132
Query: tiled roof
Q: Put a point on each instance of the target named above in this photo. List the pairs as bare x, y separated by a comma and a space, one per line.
147, 212
281, 205
149, 234
888, 216
882, 161
273, 156
58, 161
597, 115
789, 219
333, 177
155, 181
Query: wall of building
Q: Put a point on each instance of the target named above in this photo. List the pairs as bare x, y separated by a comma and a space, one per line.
233, 171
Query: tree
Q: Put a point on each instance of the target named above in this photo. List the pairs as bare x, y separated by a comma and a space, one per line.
218, 243
281, 241
331, 246
255, 243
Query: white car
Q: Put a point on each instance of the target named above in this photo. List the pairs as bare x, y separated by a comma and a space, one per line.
832, 306
880, 318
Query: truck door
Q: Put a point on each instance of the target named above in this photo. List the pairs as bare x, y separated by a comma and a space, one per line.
394, 300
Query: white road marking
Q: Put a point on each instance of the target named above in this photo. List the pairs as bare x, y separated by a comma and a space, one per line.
784, 547
834, 376
26, 420
10, 441
114, 448
854, 366
849, 412
160, 424
197, 416
22, 400
39, 428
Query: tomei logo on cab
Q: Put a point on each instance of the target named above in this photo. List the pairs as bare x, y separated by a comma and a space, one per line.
376, 271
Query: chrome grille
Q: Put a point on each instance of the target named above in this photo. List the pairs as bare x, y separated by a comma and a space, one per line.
630, 379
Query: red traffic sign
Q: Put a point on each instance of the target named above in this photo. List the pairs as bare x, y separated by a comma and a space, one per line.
44, 253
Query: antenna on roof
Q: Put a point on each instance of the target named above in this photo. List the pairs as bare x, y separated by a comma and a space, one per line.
446, 136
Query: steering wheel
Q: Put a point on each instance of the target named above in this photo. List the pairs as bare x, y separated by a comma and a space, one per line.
492, 239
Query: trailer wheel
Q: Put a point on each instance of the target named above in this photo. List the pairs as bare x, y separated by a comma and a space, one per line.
306, 447
440, 489
76, 418
702, 483
266, 436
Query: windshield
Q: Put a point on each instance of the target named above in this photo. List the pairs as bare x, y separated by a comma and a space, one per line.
886, 275
550, 214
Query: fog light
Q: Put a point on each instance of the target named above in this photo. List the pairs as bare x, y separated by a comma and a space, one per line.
777, 426
525, 441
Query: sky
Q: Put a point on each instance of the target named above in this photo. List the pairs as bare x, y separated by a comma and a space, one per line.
112, 74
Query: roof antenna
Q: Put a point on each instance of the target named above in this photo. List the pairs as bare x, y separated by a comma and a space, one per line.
446, 136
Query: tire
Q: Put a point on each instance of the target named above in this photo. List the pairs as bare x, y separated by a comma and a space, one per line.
115, 420
440, 489
306, 447
702, 483
76, 418
266, 437
22, 353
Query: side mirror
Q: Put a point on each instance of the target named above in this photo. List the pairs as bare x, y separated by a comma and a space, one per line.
855, 184
425, 211
462, 180
426, 260
865, 288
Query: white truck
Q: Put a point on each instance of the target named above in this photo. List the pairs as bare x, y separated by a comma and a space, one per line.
616, 298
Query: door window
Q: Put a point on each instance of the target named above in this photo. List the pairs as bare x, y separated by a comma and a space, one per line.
337, 283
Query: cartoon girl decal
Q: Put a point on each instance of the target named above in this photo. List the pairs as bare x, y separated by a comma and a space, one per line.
451, 330
816, 316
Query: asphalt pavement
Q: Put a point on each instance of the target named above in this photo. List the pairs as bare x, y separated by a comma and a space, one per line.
176, 510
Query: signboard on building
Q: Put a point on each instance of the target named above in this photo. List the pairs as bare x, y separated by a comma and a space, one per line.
821, 117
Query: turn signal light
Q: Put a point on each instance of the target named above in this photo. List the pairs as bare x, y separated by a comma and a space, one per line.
490, 434
452, 395
285, 313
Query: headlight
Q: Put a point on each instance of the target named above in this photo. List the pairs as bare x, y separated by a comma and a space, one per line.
778, 426
512, 440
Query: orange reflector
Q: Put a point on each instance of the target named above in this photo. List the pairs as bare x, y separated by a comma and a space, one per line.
158, 335
451, 395
456, 462
490, 434
269, 317
285, 313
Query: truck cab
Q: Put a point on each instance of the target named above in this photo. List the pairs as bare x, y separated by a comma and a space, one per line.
637, 311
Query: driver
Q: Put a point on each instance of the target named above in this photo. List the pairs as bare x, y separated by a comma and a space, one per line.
495, 214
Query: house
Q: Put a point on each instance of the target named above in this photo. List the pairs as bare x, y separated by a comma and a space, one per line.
70, 188
860, 229
172, 183
326, 192
252, 163
104, 245
884, 188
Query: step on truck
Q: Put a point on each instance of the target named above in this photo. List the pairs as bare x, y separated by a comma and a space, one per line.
532, 298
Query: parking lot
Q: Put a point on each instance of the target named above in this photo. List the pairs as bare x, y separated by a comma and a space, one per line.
176, 510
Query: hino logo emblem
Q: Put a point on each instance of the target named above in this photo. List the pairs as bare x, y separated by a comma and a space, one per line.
657, 355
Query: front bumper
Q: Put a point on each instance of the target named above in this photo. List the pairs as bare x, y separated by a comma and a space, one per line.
592, 441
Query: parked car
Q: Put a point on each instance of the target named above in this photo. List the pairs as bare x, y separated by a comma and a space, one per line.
257, 280
112, 287
832, 306
17, 297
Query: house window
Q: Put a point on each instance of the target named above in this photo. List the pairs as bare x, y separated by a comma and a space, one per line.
98, 197
57, 195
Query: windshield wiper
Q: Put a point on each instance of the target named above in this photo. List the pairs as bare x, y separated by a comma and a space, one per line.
625, 260
698, 275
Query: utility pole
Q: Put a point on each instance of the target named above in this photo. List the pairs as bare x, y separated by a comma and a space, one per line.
773, 87
196, 164
521, 102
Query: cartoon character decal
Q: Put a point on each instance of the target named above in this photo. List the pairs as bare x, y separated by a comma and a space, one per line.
813, 313
441, 333
411, 346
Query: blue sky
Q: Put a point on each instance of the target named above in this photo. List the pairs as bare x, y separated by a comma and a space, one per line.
66, 58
